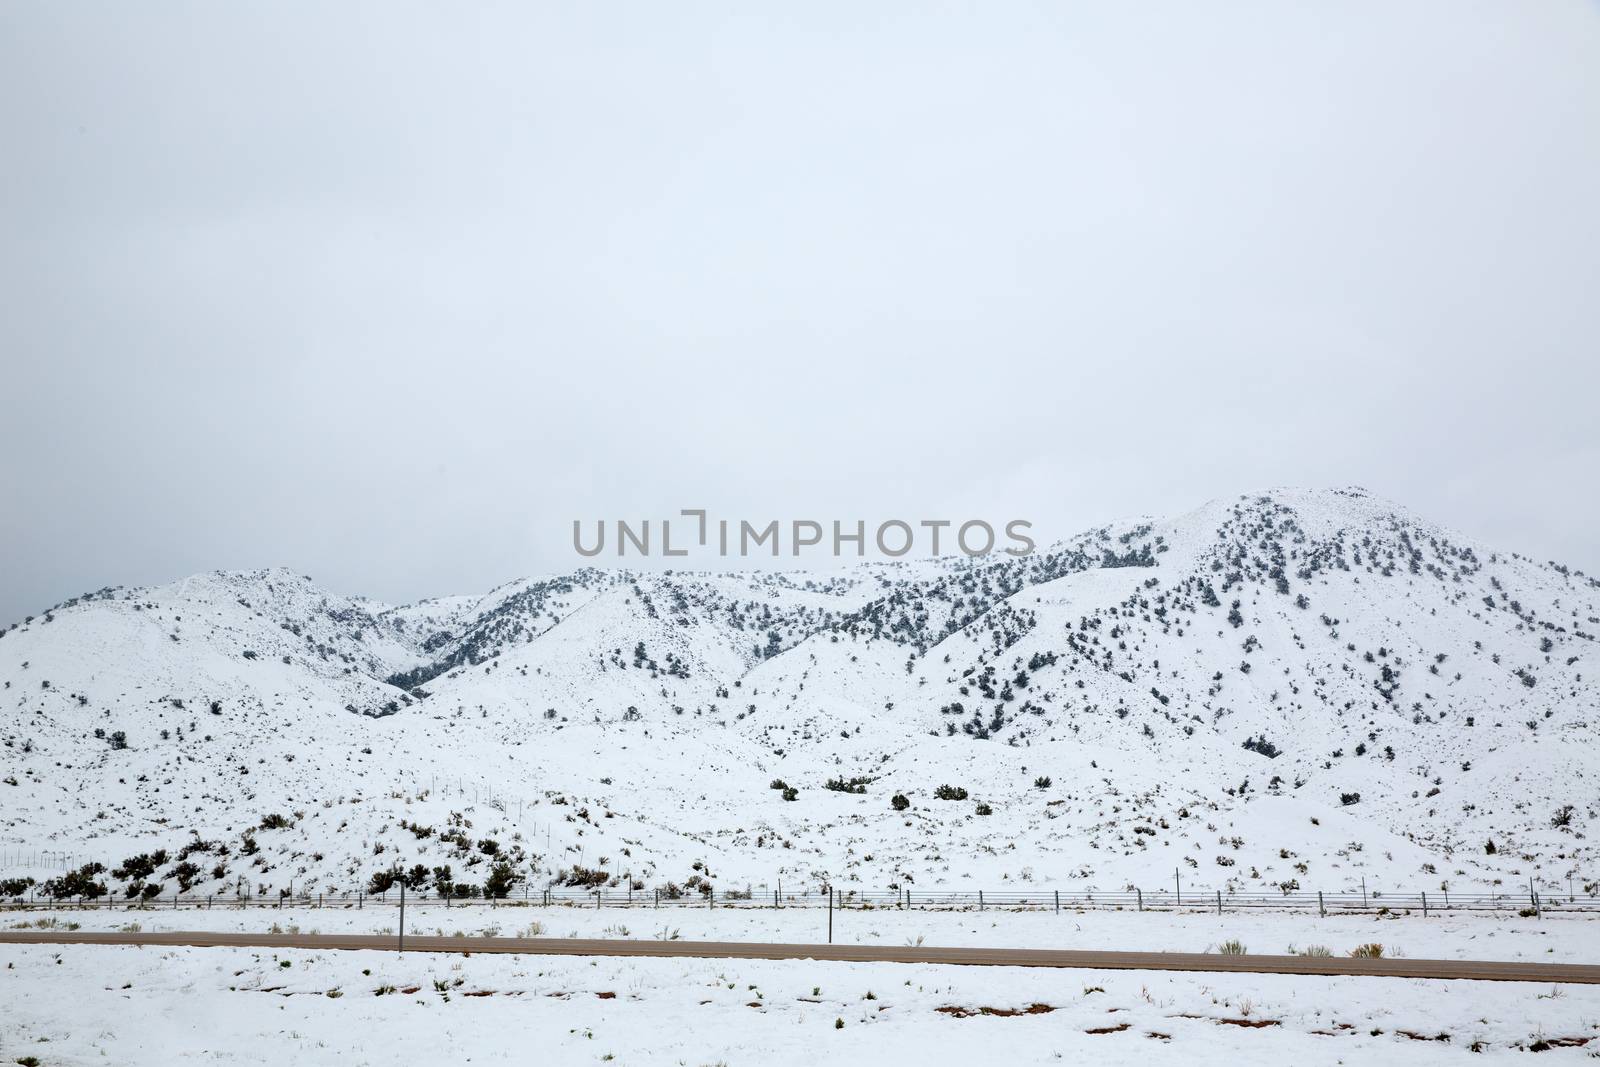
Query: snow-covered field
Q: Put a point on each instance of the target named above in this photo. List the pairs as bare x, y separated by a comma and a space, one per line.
99, 1005
94, 1004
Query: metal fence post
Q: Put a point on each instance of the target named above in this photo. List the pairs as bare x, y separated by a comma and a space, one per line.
1322, 908
980, 900
1136, 890
1058, 902
1424, 905
1219, 902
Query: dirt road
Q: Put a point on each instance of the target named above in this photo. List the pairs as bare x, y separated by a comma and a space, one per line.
1481, 970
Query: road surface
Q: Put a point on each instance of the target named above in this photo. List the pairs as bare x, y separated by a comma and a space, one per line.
1481, 970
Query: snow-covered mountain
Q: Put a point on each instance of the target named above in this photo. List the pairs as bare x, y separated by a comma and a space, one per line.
1290, 688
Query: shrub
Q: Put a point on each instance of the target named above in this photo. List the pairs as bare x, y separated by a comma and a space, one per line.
1319, 952
1370, 951
847, 785
502, 879
1042, 782
78, 883
791, 793
899, 802
950, 792
275, 822
586, 878
1348, 799
187, 874
983, 809
778, 783
138, 868
14, 887
1232, 947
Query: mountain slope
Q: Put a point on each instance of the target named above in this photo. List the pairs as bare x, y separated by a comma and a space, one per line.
1293, 688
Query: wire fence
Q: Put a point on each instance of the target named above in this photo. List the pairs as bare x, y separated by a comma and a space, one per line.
1532, 902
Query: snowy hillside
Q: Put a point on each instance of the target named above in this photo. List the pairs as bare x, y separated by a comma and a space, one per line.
1293, 689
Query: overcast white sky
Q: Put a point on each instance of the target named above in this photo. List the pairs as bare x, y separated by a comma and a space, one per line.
390, 294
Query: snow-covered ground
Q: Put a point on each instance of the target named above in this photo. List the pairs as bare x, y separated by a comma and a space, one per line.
93, 1004
131, 1006
1288, 692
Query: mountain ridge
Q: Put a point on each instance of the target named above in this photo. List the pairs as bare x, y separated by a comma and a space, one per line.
1268, 660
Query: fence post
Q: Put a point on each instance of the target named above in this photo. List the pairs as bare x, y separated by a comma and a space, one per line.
711, 898
1136, 890
980, 900
1322, 909
1363, 892
1424, 905
1058, 902
1219, 902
